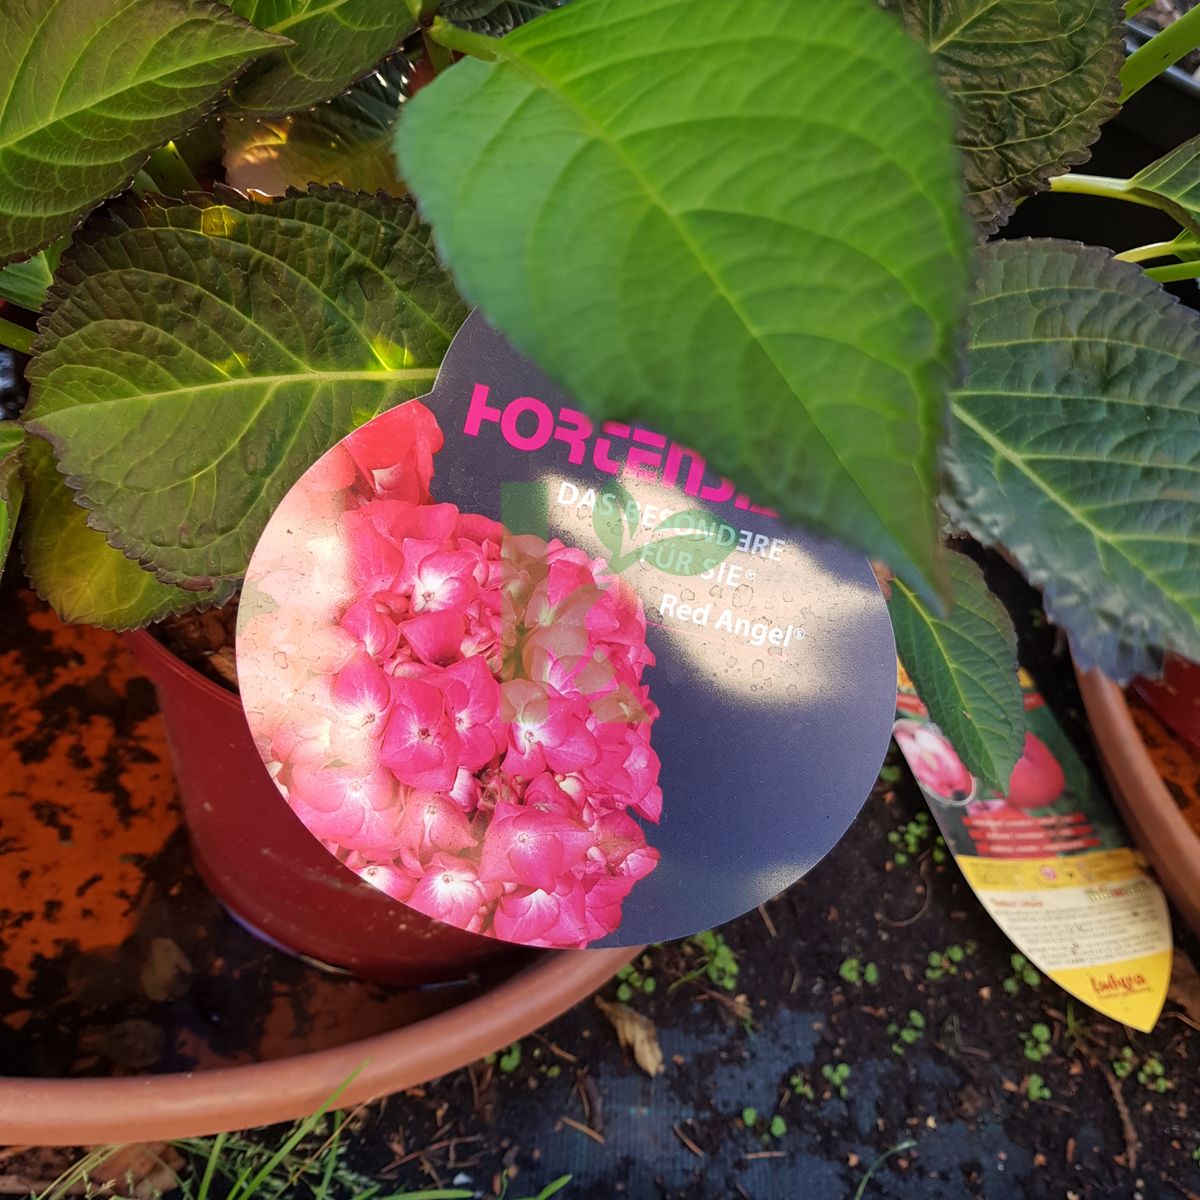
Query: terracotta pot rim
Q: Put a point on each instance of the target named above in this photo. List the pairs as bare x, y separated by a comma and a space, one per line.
1159, 828
58, 1112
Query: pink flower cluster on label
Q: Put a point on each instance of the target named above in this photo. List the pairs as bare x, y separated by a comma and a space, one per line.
462, 719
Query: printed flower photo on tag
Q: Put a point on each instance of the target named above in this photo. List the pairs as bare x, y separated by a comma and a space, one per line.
469, 729
546, 695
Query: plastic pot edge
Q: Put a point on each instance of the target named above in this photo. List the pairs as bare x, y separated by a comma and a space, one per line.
58, 1112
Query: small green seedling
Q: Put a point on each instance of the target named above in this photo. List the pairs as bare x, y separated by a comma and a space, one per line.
717, 961
510, 1060
1078, 1032
907, 1034
909, 839
1123, 1066
801, 1087
1196, 1155
889, 774
1152, 1075
632, 982
856, 972
1036, 1089
940, 963
837, 1075
1037, 1042
1023, 973
775, 1128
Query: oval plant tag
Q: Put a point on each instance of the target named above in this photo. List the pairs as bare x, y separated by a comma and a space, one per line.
555, 682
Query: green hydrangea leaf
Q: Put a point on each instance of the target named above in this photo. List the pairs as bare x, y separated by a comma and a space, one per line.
347, 140
1175, 179
1033, 84
333, 43
717, 227
12, 440
494, 17
198, 358
89, 88
77, 572
26, 283
964, 666
1076, 445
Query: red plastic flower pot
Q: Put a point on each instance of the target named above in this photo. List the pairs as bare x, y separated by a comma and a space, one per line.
271, 874
1176, 698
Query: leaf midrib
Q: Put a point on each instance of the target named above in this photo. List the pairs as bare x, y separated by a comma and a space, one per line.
506, 54
235, 381
1076, 514
310, 13
952, 670
241, 54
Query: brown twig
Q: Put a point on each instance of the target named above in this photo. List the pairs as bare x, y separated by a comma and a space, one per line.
590, 1100
736, 1005
1184, 1018
432, 1148
764, 1154
584, 1129
1128, 1130
687, 1141
557, 1050
1187, 1193
924, 904
766, 919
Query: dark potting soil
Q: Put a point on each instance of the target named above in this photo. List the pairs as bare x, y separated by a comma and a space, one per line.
186, 987
205, 641
572, 1102
114, 957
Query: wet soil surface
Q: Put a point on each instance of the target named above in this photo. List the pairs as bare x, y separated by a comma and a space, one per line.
146, 973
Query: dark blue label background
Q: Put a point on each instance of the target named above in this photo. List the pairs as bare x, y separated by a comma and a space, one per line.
761, 775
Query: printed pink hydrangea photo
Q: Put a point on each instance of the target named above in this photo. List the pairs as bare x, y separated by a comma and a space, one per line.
934, 761
456, 712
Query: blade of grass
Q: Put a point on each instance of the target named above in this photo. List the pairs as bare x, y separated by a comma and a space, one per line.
898, 1148
330, 1150
77, 1172
553, 1187
210, 1166
241, 1189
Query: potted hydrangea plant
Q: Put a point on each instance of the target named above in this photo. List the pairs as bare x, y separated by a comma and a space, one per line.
758, 232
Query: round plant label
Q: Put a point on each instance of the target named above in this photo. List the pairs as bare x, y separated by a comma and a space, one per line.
554, 681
